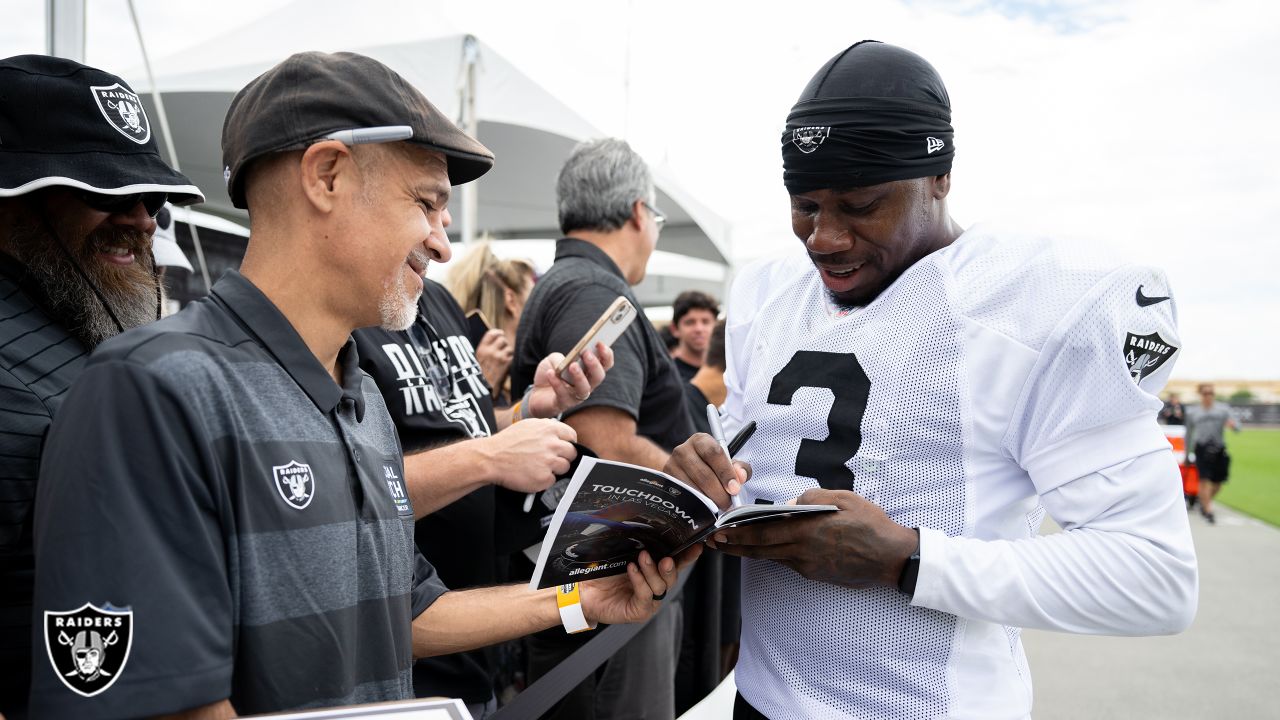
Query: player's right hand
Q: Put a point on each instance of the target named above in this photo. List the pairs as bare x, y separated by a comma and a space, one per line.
528, 456
701, 462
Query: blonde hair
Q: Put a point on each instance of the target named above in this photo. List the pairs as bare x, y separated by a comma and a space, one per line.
477, 282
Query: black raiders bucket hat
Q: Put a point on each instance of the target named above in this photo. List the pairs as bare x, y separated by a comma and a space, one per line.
312, 95
63, 123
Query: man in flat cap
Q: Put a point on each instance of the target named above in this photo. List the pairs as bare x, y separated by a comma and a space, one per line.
256, 554
943, 387
80, 182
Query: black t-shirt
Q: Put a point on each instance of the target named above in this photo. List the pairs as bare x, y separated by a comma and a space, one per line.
436, 393
697, 403
686, 370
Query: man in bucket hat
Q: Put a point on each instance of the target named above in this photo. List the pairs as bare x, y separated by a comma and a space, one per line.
80, 182
256, 554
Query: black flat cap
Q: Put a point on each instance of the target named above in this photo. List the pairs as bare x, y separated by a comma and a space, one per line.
312, 94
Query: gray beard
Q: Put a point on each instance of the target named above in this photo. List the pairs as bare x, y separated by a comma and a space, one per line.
130, 291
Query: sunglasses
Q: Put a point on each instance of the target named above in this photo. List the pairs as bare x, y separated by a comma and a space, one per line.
421, 335
115, 204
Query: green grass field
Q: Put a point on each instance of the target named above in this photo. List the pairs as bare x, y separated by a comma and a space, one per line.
1254, 484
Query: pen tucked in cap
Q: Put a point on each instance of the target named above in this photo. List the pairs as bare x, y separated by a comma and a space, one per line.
313, 95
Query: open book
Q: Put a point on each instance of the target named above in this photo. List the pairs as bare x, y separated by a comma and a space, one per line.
611, 511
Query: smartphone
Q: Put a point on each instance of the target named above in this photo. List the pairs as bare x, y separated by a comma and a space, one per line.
606, 330
477, 326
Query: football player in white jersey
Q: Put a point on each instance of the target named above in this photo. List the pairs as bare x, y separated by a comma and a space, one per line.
944, 387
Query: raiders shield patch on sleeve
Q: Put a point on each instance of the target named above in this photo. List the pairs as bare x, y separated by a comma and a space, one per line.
1144, 354
88, 646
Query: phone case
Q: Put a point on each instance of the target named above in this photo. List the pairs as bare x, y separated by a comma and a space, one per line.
615, 320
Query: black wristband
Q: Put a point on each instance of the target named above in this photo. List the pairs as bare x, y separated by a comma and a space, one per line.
910, 570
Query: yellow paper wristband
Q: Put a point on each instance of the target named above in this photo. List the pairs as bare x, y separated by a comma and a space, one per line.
569, 602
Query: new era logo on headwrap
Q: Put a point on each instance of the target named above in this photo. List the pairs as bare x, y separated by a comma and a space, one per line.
88, 646
807, 139
934, 145
123, 110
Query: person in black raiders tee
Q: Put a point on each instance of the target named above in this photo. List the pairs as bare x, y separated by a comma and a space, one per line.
430, 376
455, 458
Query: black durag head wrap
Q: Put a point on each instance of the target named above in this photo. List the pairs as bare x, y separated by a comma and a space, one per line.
873, 114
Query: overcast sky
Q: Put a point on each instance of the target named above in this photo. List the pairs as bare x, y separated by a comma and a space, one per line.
1142, 124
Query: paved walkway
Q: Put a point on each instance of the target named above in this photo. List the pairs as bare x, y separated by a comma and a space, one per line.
1225, 666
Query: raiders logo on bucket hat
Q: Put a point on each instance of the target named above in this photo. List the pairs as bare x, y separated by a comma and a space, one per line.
312, 94
67, 124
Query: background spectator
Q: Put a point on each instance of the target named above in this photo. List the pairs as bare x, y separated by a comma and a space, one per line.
692, 318
1206, 422
499, 289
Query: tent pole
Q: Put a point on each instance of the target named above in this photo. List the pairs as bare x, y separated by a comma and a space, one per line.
470, 58
168, 139
64, 29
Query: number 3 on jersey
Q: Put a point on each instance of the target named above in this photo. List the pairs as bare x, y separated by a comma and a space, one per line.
842, 374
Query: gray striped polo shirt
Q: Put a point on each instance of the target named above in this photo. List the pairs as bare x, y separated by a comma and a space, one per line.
208, 474
38, 361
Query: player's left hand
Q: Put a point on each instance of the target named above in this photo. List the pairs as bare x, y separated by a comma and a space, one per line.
636, 596
552, 395
856, 546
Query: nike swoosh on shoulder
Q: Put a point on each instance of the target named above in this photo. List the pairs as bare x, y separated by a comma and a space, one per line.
1145, 300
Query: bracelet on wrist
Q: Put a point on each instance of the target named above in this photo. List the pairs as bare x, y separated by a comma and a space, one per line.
525, 410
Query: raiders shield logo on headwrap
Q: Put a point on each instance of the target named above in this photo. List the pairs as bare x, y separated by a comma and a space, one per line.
123, 110
296, 483
88, 646
807, 139
1144, 354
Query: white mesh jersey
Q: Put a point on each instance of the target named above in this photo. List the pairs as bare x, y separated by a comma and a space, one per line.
1000, 373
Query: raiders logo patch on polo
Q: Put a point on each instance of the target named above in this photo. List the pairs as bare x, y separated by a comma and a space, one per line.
1144, 354
807, 139
123, 110
88, 646
296, 483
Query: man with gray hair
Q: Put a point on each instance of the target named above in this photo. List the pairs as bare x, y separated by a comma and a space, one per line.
607, 212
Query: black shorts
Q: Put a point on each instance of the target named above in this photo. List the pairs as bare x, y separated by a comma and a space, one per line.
1212, 462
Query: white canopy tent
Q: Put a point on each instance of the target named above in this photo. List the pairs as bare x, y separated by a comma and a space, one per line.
530, 131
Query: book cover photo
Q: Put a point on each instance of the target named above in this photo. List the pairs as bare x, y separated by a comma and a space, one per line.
612, 510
